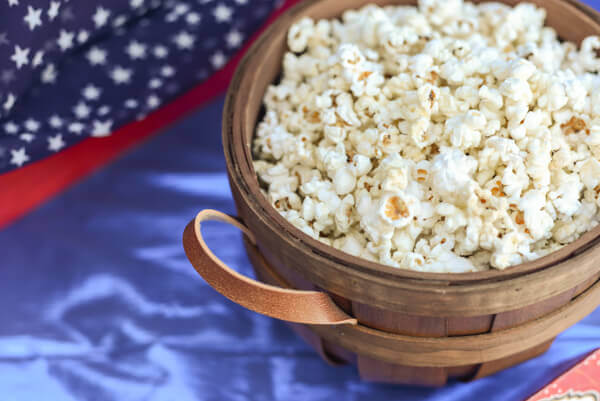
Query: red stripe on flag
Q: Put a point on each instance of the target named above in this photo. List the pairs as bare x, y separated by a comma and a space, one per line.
28, 187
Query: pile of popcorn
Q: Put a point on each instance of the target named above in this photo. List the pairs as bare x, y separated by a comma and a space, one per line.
448, 137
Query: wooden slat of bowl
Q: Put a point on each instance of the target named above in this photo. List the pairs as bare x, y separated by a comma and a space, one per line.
489, 368
382, 372
407, 319
463, 357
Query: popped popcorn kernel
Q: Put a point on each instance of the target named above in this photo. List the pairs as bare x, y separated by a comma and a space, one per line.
395, 208
520, 218
447, 137
573, 125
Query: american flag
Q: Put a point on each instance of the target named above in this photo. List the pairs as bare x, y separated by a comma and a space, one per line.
70, 70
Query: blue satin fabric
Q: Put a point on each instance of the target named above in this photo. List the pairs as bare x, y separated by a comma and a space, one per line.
98, 301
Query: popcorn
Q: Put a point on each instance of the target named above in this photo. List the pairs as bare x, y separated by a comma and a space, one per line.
464, 130
454, 218
343, 214
452, 172
448, 137
554, 98
344, 181
537, 221
299, 34
588, 57
398, 209
590, 173
565, 197
516, 90
351, 244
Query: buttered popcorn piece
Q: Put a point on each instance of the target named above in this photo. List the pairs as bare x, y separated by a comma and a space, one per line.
448, 137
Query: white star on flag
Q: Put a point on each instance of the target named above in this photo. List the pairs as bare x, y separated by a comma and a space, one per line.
167, 71
155, 83
120, 20
153, 101
81, 110
55, 121
10, 102
53, 10
11, 128
82, 36
27, 137
103, 110
234, 39
38, 58
192, 18
184, 40
160, 51
65, 40
31, 125
76, 127
136, 3
181, 9
96, 56
136, 50
55, 143
18, 156
33, 17
131, 103
121, 75
49, 74
20, 57
218, 60
101, 17
222, 13
13, 3
171, 17
91, 92
101, 128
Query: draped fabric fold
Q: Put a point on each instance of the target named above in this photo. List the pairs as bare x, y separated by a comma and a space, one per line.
71, 70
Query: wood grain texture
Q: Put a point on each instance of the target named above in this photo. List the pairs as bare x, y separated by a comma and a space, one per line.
382, 372
446, 351
492, 367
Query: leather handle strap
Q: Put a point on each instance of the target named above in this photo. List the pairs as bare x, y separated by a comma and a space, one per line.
308, 307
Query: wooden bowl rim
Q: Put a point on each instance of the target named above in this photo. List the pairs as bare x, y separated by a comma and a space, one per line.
240, 167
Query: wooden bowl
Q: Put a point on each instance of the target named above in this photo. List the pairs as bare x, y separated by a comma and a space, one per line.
397, 325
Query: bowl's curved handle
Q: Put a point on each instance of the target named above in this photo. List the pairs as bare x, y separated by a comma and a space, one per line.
308, 307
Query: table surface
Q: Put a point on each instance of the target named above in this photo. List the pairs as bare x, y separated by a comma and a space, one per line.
100, 302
